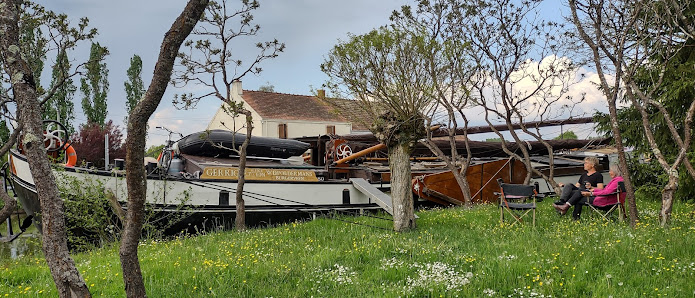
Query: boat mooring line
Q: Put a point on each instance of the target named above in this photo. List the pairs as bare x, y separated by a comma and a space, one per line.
253, 195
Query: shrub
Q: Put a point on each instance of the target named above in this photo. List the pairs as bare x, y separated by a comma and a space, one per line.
89, 143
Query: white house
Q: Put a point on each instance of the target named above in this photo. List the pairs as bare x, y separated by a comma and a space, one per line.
286, 115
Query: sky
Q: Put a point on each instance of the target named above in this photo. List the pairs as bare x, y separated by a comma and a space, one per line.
309, 29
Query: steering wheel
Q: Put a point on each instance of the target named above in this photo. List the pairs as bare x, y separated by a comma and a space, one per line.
55, 135
343, 150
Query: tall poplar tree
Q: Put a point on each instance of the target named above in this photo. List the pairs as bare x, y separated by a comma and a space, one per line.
134, 88
95, 86
34, 44
60, 106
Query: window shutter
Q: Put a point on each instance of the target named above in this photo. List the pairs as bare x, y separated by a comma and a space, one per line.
330, 129
282, 131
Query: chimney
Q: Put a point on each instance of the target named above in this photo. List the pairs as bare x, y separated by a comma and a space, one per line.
236, 87
321, 94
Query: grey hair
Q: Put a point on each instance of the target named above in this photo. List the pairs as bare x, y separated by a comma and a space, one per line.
616, 169
593, 160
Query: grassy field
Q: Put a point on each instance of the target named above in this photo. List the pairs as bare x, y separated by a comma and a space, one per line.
454, 252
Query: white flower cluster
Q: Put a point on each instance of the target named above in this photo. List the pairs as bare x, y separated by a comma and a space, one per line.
440, 274
489, 292
521, 292
506, 256
339, 274
391, 263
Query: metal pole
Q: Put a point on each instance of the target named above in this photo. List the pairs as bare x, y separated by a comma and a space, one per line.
106, 151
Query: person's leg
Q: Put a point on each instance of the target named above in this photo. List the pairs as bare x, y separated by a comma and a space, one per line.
566, 193
575, 197
577, 212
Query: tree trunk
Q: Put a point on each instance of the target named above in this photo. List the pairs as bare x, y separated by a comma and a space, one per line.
10, 203
67, 278
135, 144
240, 221
667, 199
622, 162
401, 193
611, 94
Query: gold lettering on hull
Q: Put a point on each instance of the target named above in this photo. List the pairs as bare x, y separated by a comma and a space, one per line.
229, 173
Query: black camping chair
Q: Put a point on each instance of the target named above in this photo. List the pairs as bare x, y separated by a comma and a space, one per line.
514, 200
606, 211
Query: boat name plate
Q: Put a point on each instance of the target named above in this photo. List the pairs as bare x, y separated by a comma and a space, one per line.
232, 173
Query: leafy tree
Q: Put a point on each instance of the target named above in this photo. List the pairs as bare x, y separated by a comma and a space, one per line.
18, 72
267, 87
209, 61
567, 135
154, 151
95, 86
384, 71
135, 144
134, 87
60, 107
493, 140
89, 143
34, 44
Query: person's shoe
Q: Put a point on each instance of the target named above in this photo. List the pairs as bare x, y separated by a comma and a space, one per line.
562, 209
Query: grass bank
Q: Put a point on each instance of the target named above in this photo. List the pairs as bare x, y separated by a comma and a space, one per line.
454, 252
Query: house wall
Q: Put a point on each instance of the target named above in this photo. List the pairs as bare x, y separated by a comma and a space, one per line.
298, 128
269, 127
238, 122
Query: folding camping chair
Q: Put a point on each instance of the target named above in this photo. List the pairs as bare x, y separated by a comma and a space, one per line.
513, 200
606, 211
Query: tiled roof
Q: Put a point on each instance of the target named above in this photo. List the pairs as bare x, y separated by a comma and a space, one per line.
271, 105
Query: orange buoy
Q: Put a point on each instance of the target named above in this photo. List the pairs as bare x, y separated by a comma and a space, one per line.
71, 155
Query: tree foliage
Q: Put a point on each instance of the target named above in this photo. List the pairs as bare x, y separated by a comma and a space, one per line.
267, 87
95, 86
386, 70
60, 107
154, 151
34, 44
134, 87
567, 135
89, 143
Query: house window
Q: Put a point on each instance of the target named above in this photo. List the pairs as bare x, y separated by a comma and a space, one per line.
282, 131
330, 129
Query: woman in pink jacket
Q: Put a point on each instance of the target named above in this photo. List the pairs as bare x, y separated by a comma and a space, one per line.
598, 197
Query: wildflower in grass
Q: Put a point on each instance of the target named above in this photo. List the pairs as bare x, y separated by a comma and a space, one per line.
391, 263
438, 274
489, 292
506, 257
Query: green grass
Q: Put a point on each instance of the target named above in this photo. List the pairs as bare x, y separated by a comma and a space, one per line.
453, 252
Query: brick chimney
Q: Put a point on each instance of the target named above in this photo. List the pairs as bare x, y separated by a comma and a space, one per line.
236, 87
321, 94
